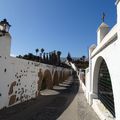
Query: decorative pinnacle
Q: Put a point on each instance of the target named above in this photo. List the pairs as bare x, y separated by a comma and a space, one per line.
103, 17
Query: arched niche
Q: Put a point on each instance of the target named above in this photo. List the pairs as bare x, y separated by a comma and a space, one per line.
47, 80
95, 75
102, 85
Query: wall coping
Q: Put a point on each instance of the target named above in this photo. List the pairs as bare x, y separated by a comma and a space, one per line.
117, 2
101, 110
106, 41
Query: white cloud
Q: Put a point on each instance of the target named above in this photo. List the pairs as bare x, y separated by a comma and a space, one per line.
13, 55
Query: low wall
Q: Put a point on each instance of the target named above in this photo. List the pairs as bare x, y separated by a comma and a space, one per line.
21, 80
81, 77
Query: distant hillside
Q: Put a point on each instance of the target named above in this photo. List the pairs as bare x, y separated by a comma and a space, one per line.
64, 58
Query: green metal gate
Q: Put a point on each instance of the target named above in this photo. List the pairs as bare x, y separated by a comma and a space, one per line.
105, 93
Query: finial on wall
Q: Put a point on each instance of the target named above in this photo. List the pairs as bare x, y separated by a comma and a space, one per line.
4, 26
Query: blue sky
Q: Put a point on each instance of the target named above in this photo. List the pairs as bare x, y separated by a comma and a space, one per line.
65, 25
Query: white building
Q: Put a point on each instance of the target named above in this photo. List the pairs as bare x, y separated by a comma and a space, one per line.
102, 85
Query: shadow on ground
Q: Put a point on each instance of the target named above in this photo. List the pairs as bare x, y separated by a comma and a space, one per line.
44, 107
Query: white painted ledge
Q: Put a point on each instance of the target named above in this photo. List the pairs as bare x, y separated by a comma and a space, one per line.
117, 2
101, 110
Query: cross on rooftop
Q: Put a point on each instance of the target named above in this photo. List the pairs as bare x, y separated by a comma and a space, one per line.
103, 17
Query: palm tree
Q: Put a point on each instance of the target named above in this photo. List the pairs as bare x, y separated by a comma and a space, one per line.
47, 58
69, 58
42, 51
50, 58
58, 55
44, 58
37, 50
83, 58
54, 56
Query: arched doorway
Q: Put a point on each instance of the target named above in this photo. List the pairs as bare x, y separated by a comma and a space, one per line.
65, 75
105, 92
47, 80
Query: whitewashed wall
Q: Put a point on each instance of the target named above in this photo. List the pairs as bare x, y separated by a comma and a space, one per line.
87, 80
112, 59
108, 49
118, 11
19, 79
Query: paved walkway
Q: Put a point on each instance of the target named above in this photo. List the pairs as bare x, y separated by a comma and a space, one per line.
79, 109
63, 102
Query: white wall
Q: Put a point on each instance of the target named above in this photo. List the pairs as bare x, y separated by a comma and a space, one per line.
101, 33
107, 50
23, 75
5, 45
87, 79
118, 11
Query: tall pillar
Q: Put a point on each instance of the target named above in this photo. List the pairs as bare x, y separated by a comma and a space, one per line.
5, 39
102, 31
118, 11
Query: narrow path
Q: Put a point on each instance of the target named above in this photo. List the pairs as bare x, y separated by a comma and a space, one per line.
63, 102
85, 112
